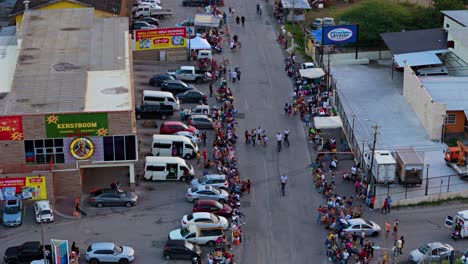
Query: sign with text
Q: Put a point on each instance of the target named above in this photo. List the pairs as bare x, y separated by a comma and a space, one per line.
160, 38
340, 34
11, 128
59, 251
76, 125
31, 187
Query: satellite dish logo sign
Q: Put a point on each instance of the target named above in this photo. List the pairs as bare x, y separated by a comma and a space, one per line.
340, 34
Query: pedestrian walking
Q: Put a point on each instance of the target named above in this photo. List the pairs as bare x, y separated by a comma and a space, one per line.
279, 139
78, 209
211, 89
399, 244
258, 8
238, 71
249, 185
286, 105
234, 76
284, 181
361, 239
264, 138
385, 206
203, 138
389, 201
286, 136
230, 76
230, 11
253, 136
372, 202
237, 20
395, 231
243, 20
246, 135
205, 156
388, 225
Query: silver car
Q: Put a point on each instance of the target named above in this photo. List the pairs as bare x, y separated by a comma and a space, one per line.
109, 252
431, 251
356, 225
206, 192
215, 180
112, 197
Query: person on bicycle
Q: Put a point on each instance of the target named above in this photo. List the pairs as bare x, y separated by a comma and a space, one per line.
279, 138
286, 136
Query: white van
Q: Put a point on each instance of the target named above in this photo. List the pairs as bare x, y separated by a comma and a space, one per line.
158, 97
163, 146
167, 168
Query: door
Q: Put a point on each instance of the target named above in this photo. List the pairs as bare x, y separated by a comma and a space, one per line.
191, 238
172, 171
367, 229
179, 148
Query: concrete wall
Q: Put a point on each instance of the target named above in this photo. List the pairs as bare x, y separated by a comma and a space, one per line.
431, 198
430, 114
346, 58
451, 24
459, 126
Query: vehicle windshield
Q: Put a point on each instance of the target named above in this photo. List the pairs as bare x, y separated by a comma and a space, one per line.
424, 249
188, 166
12, 210
118, 249
184, 232
369, 222
219, 205
215, 191
45, 212
190, 217
201, 179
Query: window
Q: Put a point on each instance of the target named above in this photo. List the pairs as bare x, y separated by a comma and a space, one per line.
119, 148
155, 168
162, 145
451, 119
153, 99
42, 151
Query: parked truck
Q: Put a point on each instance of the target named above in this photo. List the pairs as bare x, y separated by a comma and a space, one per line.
200, 236
189, 73
26, 253
147, 10
384, 166
409, 166
455, 158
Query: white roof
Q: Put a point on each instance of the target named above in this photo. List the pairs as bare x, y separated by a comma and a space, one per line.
172, 137
198, 43
187, 67
312, 73
461, 16
451, 91
418, 58
152, 159
327, 122
157, 93
463, 214
102, 245
384, 157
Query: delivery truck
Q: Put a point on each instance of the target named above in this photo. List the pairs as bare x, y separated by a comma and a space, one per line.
409, 166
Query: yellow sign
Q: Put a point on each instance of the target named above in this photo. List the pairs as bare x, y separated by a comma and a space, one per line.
34, 188
160, 38
81, 148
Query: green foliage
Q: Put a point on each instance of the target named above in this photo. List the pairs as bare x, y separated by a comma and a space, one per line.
448, 4
379, 16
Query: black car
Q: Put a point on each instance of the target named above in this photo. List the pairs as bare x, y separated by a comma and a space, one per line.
192, 96
160, 111
195, 2
181, 249
158, 79
176, 86
141, 25
150, 20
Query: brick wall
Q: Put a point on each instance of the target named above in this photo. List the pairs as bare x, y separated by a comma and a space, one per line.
11, 153
34, 126
67, 183
121, 123
154, 55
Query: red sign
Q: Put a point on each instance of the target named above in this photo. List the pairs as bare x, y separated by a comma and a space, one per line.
160, 38
12, 182
11, 128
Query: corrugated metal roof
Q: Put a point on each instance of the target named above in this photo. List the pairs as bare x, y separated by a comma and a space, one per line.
452, 91
58, 48
461, 16
415, 40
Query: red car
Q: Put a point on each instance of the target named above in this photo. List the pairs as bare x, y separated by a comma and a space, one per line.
214, 207
172, 127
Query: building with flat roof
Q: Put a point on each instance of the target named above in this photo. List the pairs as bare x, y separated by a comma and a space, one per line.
70, 110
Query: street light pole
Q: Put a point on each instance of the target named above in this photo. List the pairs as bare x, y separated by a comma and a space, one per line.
376, 128
44, 255
427, 179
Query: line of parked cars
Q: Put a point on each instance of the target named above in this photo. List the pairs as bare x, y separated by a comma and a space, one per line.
13, 211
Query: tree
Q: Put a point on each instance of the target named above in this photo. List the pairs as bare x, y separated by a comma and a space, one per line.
441, 5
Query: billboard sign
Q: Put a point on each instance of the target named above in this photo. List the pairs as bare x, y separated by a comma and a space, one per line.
11, 128
340, 34
29, 188
73, 125
160, 38
59, 251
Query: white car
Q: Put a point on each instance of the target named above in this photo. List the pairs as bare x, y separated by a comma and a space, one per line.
215, 180
43, 211
189, 135
109, 252
434, 251
204, 220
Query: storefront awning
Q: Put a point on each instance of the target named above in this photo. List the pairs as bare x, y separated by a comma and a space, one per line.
327, 122
311, 73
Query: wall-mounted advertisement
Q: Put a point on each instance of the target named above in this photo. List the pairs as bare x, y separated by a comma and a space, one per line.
161, 38
29, 188
60, 254
11, 128
83, 148
340, 34
76, 125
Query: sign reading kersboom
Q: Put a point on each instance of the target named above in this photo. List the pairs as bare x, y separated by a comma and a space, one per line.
340, 34
73, 125
160, 38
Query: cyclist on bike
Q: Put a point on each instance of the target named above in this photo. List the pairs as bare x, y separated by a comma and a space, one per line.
286, 136
279, 138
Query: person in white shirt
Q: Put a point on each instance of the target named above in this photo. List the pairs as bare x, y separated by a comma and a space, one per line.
234, 76
284, 181
279, 138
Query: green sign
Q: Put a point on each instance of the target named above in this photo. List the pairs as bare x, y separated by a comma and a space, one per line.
76, 125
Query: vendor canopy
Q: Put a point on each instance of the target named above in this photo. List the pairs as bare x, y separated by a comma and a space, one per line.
327, 122
206, 20
295, 4
198, 43
311, 73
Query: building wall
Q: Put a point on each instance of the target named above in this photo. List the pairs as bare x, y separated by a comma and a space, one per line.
451, 24
459, 126
430, 114
68, 183
7, 66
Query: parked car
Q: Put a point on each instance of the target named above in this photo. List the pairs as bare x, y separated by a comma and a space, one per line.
176, 86
151, 20
27, 252
214, 180
212, 206
206, 192
204, 220
438, 251
13, 212
158, 79
200, 236
153, 111
109, 252
356, 225
189, 135
107, 197
190, 73
43, 211
181, 249
171, 127
142, 25
328, 21
193, 96
307, 65
200, 121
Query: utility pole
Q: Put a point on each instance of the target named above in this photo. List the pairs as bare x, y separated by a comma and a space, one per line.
376, 131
